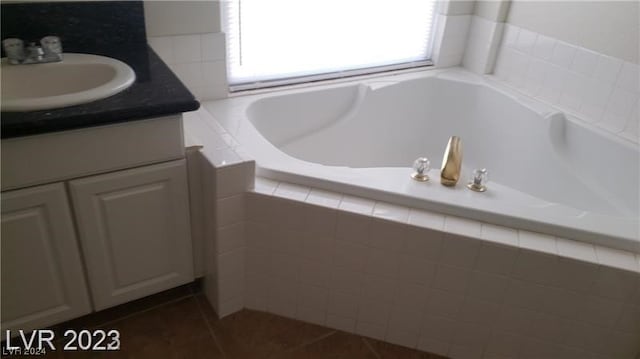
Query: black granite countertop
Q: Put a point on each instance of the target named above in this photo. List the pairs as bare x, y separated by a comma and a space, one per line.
156, 92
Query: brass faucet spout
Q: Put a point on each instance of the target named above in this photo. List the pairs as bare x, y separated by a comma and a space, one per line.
451, 162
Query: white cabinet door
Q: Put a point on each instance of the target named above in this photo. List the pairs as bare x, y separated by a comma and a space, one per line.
42, 276
134, 231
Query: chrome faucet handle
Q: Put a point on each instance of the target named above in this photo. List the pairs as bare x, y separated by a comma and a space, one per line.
14, 48
51, 45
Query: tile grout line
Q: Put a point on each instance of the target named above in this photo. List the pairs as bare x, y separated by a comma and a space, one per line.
370, 347
312, 341
210, 328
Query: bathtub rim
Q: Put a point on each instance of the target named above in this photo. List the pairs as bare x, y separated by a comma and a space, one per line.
630, 241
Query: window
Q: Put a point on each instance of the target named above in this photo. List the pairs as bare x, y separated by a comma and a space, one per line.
275, 42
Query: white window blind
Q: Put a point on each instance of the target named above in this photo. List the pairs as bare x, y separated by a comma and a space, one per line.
272, 42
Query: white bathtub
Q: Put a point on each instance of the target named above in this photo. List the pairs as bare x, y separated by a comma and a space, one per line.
549, 172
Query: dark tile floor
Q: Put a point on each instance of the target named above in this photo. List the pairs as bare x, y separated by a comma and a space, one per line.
181, 324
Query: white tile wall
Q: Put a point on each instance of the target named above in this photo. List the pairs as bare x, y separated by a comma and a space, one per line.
450, 39
596, 88
198, 60
482, 45
412, 277
460, 304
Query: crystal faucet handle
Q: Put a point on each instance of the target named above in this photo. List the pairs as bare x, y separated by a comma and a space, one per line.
14, 49
51, 45
478, 180
420, 167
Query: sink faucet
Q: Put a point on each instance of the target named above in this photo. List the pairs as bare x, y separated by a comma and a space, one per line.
50, 50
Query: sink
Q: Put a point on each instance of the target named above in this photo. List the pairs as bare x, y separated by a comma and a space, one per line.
77, 79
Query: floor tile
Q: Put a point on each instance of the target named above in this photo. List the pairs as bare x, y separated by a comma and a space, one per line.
392, 351
181, 324
252, 334
338, 345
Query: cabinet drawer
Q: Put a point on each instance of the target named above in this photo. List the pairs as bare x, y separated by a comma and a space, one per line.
32, 160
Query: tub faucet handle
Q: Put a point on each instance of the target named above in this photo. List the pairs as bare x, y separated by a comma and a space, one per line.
479, 180
420, 168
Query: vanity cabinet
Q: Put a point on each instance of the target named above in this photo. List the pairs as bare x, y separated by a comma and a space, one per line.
134, 230
43, 280
92, 216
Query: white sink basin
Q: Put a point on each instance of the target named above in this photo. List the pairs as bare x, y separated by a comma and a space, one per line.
77, 79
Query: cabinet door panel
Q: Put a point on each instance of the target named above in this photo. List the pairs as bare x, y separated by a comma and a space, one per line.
134, 230
42, 276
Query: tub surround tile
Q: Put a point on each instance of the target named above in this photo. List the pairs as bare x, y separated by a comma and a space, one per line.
370, 330
575, 275
459, 251
563, 54
353, 227
213, 46
420, 287
324, 198
535, 267
265, 186
426, 219
524, 295
577, 250
487, 286
394, 335
585, 62
503, 345
450, 38
381, 263
618, 259
482, 45
462, 226
230, 237
234, 179
414, 269
614, 284
435, 346
356, 205
497, 259
537, 242
629, 77
452, 279
500, 235
391, 212
423, 243
199, 60
320, 220
411, 298
479, 312
608, 68
341, 323
374, 311
230, 210
593, 87
291, 191
600, 311
389, 236
444, 304
629, 319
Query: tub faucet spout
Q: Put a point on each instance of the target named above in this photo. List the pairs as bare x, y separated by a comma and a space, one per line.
451, 162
